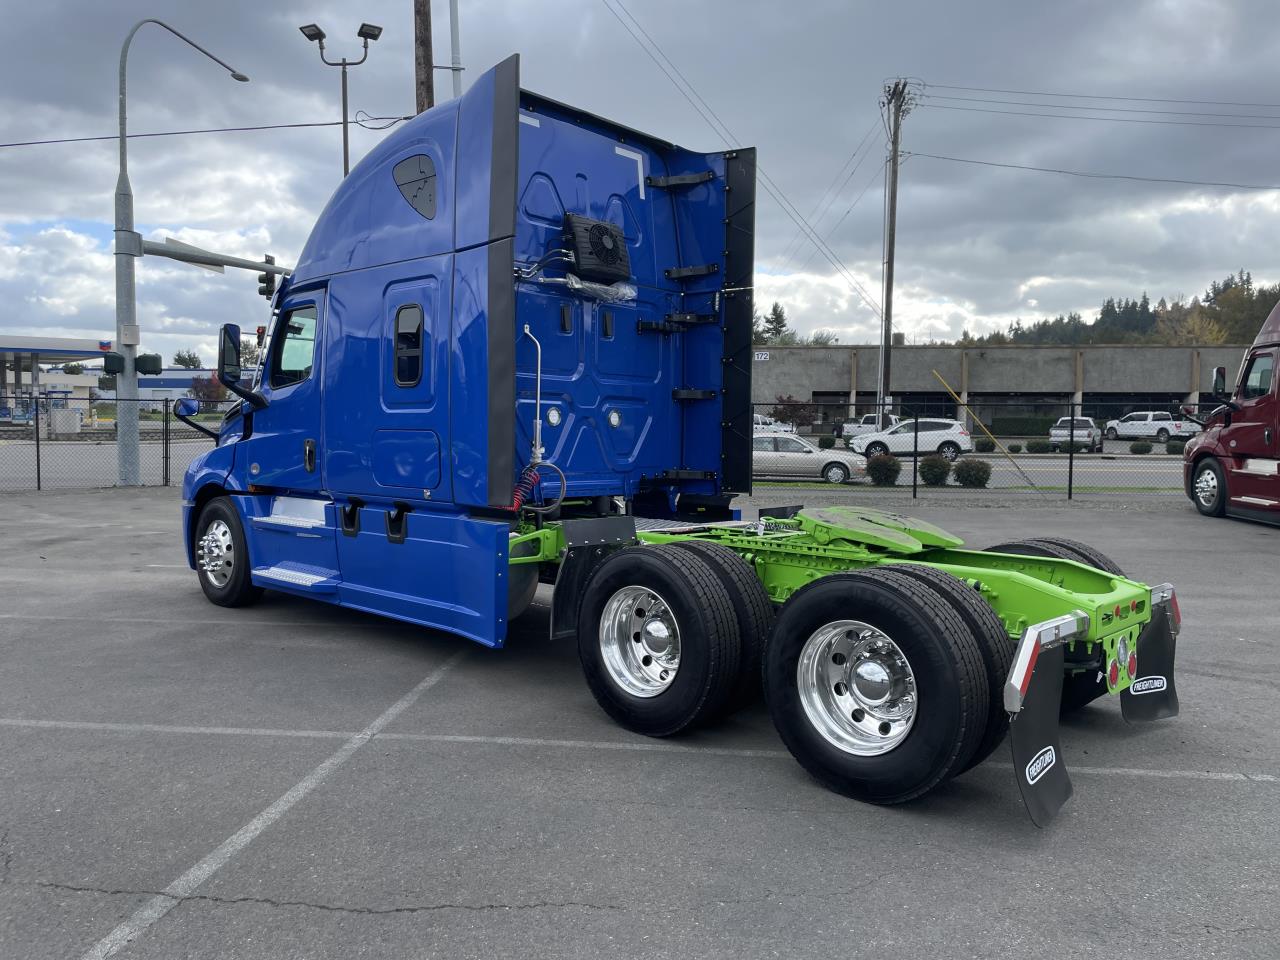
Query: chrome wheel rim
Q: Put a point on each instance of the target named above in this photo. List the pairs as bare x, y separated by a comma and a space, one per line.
216, 553
857, 688
640, 641
1207, 487
836, 474
950, 452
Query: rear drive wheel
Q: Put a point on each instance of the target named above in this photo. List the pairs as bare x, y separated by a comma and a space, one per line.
222, 559
876, 449
949, 450
1085, 684
1209, 488
835, 473
657, 638
994, 642
754, 611
876, 685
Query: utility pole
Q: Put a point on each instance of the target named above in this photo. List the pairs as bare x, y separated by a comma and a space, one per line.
455, 48
898, 103
423, 61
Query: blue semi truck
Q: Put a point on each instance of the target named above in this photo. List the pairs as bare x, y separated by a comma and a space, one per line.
517, 349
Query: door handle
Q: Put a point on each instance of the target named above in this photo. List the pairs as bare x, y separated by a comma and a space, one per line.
309, 455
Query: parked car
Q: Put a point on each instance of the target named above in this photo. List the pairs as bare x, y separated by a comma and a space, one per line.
778, 454
1150, 425
1084, 433
947, 437
867, 423
762, 422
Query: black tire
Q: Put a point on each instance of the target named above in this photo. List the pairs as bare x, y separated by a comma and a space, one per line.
1054, 447
1217, 505
709, 643
1082, 686
949, 451
1112, 433
1162, 435
994, 642
754, 612
836, 473
876, 450
949, 677
238, 590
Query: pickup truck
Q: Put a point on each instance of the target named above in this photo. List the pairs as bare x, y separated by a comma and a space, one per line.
867, 423
1150, 425
1085, 433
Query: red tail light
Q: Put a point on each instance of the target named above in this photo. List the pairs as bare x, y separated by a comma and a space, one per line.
1113, 672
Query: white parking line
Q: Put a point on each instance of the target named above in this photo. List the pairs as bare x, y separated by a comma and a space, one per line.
159, 905
625, 746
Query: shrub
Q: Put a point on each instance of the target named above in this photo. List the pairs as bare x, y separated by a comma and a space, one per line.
984, 445
973, 473
1175, 447
1039, 446
1080, 447
1015, 448
934, 470
884, 469
826, 443
1139, 446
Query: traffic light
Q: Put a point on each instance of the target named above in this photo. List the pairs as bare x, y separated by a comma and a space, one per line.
112, 363
267, 280
148, 363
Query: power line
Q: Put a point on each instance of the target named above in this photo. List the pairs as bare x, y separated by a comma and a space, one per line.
1063, 116
183, 133
1097, 176
844, 216
1099, 96
1072, 106
721, 129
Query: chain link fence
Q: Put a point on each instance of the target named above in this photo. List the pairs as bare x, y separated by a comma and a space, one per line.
65, 443
1058, 449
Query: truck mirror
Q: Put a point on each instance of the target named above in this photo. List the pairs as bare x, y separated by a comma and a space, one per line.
1219, 381
229, 354
186, 407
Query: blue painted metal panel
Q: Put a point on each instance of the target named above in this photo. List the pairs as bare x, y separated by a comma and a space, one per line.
450, 572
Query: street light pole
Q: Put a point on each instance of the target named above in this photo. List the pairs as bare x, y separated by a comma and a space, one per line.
128, 246
367, 32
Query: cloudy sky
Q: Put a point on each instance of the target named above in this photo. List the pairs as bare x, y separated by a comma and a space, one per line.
978, 246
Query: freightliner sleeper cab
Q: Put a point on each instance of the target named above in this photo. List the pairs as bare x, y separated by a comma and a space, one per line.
517, 349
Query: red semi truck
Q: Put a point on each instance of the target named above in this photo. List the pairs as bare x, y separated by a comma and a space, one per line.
1233, 467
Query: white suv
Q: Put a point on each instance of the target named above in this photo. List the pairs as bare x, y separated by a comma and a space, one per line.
947, 437
1150, 424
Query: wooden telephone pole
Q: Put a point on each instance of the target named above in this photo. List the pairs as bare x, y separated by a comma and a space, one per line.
898, 103
423, 62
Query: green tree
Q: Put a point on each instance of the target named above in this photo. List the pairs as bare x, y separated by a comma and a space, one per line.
823, 338
758, 335
75, 369
249, 352
187, 359
775, 325
207, 388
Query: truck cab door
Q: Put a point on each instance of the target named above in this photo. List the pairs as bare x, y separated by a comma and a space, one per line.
1251, 441
283, 449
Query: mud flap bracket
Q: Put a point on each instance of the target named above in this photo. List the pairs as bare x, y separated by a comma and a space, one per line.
1153, 695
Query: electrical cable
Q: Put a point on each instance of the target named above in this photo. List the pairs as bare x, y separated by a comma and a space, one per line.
1064, 116
1101, 96
183, 133
1097, 176
1072, 106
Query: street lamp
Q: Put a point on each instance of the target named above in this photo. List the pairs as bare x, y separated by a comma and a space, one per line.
367, 32
128, 246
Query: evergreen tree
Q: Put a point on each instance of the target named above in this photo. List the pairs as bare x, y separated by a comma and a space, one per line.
775, 324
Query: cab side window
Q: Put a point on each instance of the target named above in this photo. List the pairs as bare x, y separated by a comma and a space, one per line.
408, 352
294, 348
1257, 379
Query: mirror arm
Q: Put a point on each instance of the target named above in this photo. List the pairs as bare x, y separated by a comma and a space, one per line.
255, 399
196, 426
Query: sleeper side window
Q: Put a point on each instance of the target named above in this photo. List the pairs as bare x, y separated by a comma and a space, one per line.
408, 352
294, 348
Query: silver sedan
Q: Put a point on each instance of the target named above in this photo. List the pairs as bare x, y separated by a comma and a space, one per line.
778, 454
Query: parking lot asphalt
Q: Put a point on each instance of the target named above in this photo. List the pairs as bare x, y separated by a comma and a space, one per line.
296, 780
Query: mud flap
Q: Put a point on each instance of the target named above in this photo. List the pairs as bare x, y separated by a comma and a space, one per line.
1033, 697
1153, 695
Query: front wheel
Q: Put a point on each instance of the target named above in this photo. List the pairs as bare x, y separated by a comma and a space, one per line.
222, 559
1209, 488
1163, 435
876, 450
950, 451
835, 473
1112, 433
